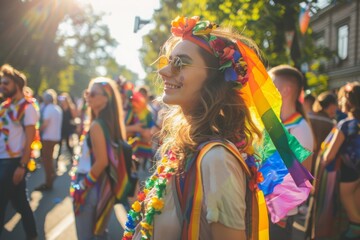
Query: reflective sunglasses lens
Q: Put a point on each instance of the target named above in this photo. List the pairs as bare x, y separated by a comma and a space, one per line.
176, 65
2, 82
162, 62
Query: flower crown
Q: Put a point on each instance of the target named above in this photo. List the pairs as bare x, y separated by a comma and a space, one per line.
230, 58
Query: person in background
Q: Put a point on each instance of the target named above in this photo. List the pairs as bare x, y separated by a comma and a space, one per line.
50, 131
340, 113
308, 103
345, 147
138, 121
68, 126
18, 117
93, 188
323, 117
289, 82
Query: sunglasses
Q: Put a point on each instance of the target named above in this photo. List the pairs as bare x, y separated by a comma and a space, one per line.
176, 64
4, 82
92, 94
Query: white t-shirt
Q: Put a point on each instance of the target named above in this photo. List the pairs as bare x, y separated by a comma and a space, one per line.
53, 114
303, 133
16, 136
224, 186
84, 164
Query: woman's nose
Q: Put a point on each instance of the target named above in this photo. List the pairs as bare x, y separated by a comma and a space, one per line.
165, 71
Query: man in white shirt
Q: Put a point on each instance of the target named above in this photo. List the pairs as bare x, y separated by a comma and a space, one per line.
290, 82
50, 129
18, 117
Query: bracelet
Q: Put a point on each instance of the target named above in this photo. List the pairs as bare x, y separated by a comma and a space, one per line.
22, 165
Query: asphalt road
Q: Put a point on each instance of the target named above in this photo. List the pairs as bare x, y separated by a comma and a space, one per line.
53, 209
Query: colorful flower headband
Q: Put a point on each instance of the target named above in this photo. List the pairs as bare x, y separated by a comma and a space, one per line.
199, 32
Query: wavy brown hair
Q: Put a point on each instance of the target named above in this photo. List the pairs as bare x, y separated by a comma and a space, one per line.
220, 113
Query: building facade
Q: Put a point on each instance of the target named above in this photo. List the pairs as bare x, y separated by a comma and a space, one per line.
337, 27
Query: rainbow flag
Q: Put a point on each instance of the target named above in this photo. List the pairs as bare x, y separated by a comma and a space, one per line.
304, 19
287, 182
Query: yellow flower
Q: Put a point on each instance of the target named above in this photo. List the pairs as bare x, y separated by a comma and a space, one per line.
160, 169
146, 226
136, 206
164, 160
157, 204
128, 234
178, 21
143, 234
146, 191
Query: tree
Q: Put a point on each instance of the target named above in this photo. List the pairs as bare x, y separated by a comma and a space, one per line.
27, 33
267, 22
57, 43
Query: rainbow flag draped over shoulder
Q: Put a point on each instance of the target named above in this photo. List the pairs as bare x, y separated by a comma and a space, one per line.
286, 183
114, 184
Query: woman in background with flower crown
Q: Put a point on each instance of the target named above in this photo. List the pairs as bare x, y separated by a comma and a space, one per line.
202, 188
96, 175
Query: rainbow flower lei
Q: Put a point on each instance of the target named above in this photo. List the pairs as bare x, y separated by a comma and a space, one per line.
16, 116
146, 210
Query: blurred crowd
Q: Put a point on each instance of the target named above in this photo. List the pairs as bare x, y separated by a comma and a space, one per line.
322, 123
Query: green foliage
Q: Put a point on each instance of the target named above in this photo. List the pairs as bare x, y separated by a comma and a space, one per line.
266, 22
58, 44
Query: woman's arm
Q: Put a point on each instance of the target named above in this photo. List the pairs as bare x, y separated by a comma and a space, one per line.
221, 232
74, 112
334, 146
99, 149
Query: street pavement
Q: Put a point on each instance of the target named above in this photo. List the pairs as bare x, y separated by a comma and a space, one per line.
53, 209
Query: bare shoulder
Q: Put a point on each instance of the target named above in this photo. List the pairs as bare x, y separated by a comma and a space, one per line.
96, 130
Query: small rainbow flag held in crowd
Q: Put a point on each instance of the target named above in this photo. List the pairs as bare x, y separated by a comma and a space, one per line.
286, 183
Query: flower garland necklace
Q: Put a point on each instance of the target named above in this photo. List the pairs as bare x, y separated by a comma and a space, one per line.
15, 118
146, 211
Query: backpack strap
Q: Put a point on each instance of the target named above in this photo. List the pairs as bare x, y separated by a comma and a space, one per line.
258, 217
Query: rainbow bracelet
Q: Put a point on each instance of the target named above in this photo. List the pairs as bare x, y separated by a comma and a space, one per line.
89, 181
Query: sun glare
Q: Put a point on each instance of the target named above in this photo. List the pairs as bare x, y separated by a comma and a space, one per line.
86, 2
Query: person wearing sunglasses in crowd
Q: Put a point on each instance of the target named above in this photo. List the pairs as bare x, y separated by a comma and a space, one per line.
206, 183
96, 175
18, 116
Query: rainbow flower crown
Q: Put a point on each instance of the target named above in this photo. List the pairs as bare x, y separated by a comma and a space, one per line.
199, 32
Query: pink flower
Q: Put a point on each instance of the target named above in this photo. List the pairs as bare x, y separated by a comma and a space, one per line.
217, 45
227, 55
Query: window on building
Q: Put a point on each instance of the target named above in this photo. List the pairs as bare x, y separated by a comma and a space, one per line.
319, 40
322, 3
343, 41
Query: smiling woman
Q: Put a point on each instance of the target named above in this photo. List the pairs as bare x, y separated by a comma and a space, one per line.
215, 85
